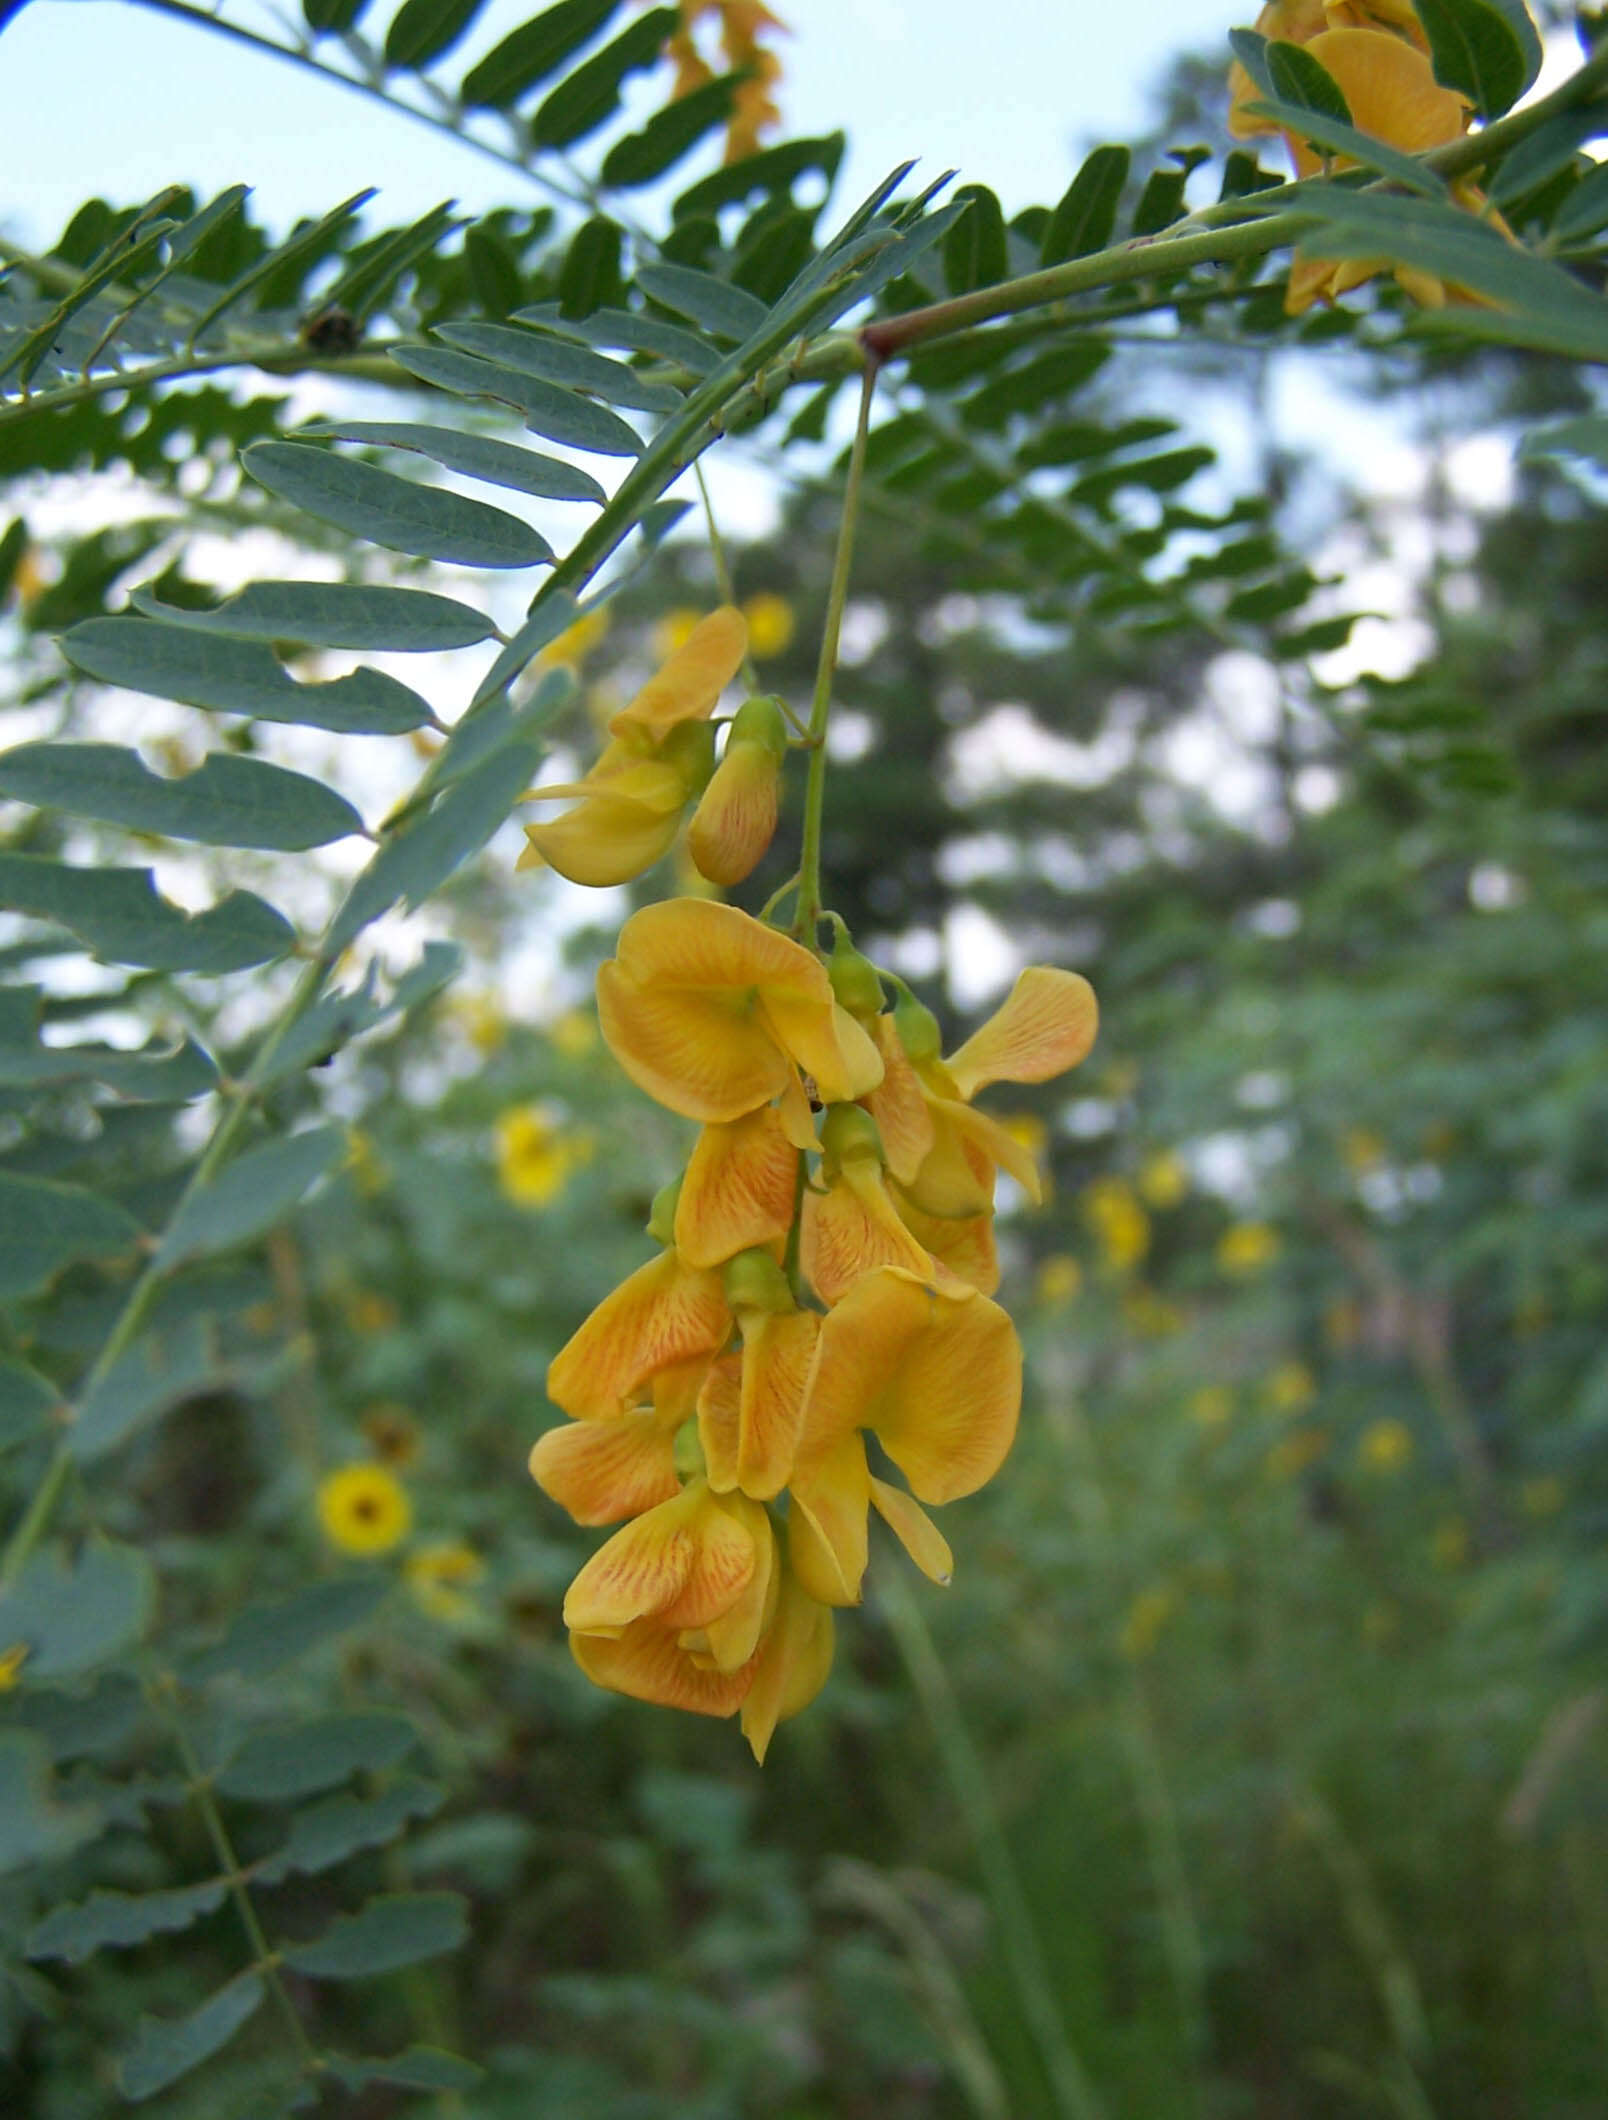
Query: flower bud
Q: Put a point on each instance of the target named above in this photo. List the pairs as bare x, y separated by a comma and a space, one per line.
849, 1135
734, 823
918, 1030
662, 1215
754, 1281
854, 978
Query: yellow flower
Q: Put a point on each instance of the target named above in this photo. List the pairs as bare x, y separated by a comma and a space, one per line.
936, 1377
628, 808
1151, 1315
1386, 1446
367, 1312
851, 1225
1450, 1545
735, 820
11, 1663
392, 1433
537, 1155
574, 1034
577, 641
665, 1313
1290, 1389
364, 1509
1120, 1226
1247, 1247
363, 1161
482, 1018
1288, 1459
1362, 1149
605, 1466
1212, 1406
1059, 1282
770, 625
715, 1014
441, 1577
1163, 1180
1145, 1618
795, 1657
1541, 1496
674, 630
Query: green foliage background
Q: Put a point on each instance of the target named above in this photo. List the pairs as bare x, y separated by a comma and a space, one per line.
1251, 1765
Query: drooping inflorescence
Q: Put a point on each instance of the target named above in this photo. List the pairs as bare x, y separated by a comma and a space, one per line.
826, 1266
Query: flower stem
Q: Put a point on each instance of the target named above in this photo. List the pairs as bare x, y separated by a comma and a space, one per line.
1074, 2095
723, 578
808, 913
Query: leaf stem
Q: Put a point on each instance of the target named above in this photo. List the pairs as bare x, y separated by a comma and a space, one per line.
807, 913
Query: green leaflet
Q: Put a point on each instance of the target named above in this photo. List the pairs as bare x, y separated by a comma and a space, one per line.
632, 331
1299, 78
1486, 49
75, 1614
191, 663
344, 614
159, 1074
426, 521
590, 96
476, 456
420, 2068
45, 1226
338, 1017
327, 1833
155, 1375
251, 1195
975, 253
118, 914
533, 51
117, 1921
299, 1759
266, 1637
227, 801
34, 1827
643, 157
394, 1929
558, 415
556, 360
27, 1401
1586, 435
715, 306
168, 2048
423, 31
773, 170
1340, 137
1087, 214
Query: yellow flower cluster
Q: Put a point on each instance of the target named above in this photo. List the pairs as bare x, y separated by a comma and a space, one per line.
826, 1272
741, 24
660, 758
1377, 54
537, 1154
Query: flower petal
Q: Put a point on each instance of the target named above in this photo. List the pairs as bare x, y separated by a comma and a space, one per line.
965, 1244
915, 1531
827, 1043
956, 1179
665, 1313
794, 1660
735, 820
690, 683
899, 1105
601, 1471
607, 839
645, 1661
688, 1561
705, 1055
1046, 1025
733, 1635
830, 1496
850, 1229
719, 1419
936, 1376
778, 1348
739, 1188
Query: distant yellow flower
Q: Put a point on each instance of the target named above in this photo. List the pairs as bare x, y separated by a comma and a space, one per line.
770, 625
1386, 1446
674, 630
1450, 1545
364, 1509
1163, 1180
1145, 1618
441, 1577
363, 1161
1288, 1459
1212, 1406
1289, 1389
1120, 1226
1541, 1496
574, 1034
483, 1020
1247, 1247
1151, 1315
537, 1155
1059, 1282
392, 1433
576, 642
1362, 1149
367, 1312
11, 1663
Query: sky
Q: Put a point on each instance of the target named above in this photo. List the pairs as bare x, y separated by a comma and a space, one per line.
106, 96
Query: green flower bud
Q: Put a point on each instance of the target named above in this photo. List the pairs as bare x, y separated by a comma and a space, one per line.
662, 1215
754, 1281
918, 1030
760, 721
690, 748
854, 978
849, 1134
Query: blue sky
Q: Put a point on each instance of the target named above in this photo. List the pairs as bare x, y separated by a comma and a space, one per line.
104, 96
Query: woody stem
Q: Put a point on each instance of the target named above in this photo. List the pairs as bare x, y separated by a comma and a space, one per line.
808, 912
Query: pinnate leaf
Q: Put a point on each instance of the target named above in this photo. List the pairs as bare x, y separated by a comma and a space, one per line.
226, 801
45, 1226
356, 615
299, 1759
119, 915
426, 521
74, 1614
394, 1929
168, 2048
327, 1833
251, 1195
266, 1637
116, 1921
